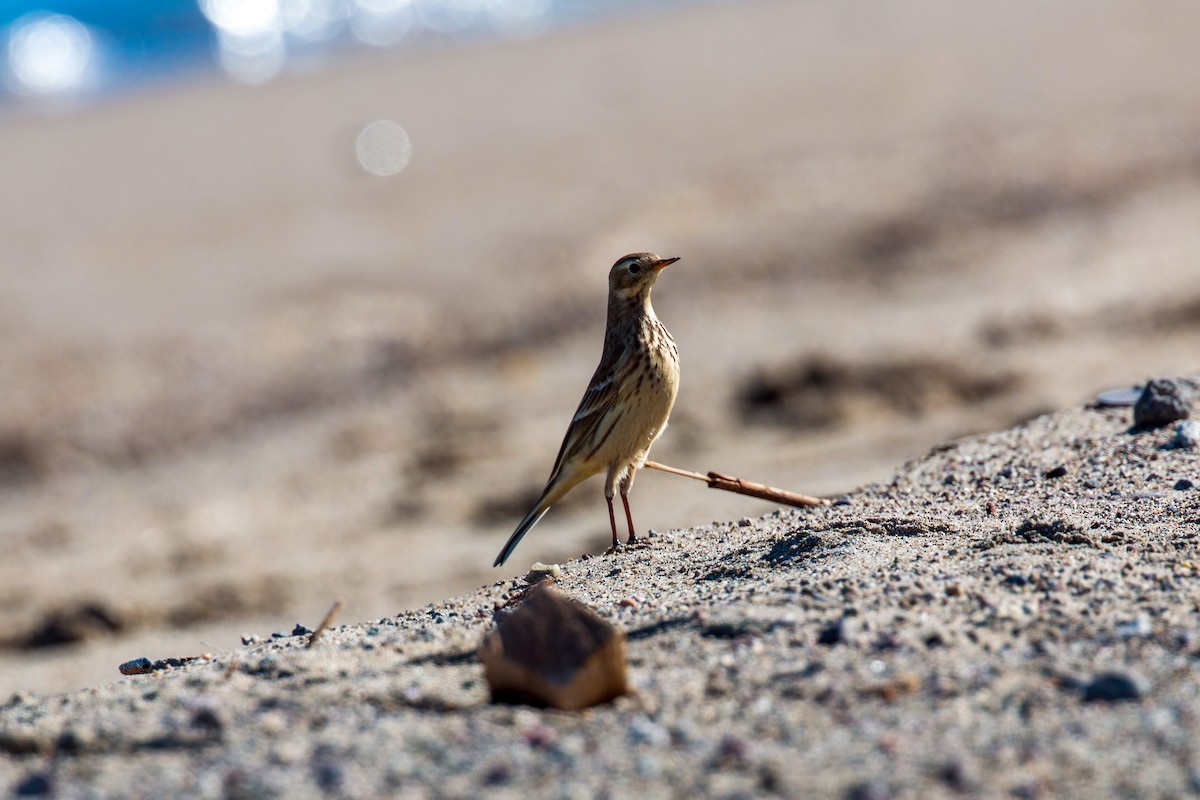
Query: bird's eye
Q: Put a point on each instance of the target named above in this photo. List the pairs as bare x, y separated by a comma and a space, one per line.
634, 269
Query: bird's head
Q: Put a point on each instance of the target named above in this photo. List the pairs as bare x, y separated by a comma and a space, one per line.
634, 274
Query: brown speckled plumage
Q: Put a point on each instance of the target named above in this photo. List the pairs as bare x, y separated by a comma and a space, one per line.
627, 401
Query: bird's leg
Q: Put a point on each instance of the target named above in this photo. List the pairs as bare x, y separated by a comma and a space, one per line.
628, 517
612, 520
626, 485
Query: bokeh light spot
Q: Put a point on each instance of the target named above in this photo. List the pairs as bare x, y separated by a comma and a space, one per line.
49, 54
381, 23
383, 148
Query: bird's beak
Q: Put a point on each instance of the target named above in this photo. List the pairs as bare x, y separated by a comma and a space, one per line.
662, 262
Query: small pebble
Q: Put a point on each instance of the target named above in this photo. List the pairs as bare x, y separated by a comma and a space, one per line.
137, 666
300, 630
1187, 435
870, 790
1182, 485
1113, 687
1138, 628
36, 785
629, 602
838, 632
745, 522
1117, 398
250, 638
1058, 472
1162, 402
539, 737
539, 572
733, 749
644, 730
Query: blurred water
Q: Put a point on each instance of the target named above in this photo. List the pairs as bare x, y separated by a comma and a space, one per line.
60, 53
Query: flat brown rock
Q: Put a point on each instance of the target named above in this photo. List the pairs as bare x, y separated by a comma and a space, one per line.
555, 651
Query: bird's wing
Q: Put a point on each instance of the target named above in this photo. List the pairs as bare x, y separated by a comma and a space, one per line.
596, 413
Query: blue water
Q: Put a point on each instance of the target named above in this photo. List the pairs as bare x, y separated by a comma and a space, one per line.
137, 41
64, 53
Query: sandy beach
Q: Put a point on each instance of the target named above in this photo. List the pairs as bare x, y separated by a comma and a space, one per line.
240, 377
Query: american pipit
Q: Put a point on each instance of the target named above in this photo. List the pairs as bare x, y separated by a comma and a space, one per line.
626, 405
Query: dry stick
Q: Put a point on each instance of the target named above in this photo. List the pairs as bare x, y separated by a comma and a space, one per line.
716, 480
333, 612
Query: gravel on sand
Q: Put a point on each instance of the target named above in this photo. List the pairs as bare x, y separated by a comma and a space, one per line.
972, 627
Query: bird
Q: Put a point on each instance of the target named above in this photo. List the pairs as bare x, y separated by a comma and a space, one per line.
627, 402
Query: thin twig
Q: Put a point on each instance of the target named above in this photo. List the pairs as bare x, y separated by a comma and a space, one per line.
333, 612
717, 480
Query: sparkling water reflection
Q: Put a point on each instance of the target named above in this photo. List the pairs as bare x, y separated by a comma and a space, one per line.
49, 54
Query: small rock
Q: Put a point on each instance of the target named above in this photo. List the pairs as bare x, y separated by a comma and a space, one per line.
1117, 398
1113, 687
745, 522
539, 572
953, 590
557, 651
1182, 485
300, 630
628, 602
644, 730
733, 749
137, 666
539, 737
1135, 629
250, 638
838, 632
1058, 472
1187, 435
497, 774
935, 639
1162, 402
869, 790
36, 785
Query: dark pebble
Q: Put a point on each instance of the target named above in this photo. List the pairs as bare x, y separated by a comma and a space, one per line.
497, 774
733, 749
1113, 687
1058, 472
1017, 580
1183, 485
838, 632
207, 719
954, 775
869, 790
36, 785
1162, 402
300, 630
137, 666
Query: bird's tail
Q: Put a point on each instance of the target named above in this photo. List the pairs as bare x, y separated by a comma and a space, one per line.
555, 489
530, 520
